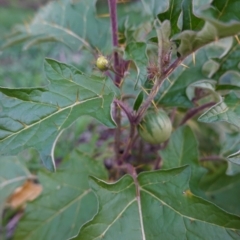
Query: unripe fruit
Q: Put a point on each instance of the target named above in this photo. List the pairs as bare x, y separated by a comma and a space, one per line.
102, 63
156, 127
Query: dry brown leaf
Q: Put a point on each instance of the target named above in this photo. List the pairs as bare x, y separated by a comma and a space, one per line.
27, 192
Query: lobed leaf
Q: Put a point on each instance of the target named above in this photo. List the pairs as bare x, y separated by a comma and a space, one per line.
157, 205
222, 189
66, 202
136, 51
226, 110
35, 117
181, 150
173, 90
65, 21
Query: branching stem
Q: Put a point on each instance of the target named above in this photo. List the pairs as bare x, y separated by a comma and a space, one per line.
158, 83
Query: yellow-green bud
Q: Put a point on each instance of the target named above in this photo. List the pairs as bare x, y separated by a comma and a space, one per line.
102, 63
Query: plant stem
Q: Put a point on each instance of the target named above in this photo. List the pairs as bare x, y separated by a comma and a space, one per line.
131, 138
158, 83
117, 135
129, 144
112, 4
192, 112
126, 109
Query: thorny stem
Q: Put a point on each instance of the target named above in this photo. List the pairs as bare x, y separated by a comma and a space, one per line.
158, 83
135, 119
112, 4
192, 112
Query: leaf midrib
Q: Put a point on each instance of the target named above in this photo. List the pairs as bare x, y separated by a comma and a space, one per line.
58, 212
184, 216
49, 116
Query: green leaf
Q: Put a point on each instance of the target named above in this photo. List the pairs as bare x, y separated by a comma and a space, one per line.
207, 85
228, 72
233, 168
136, 51
190, 21
35, 117
172, 14
227, 110
181, 150
158, 205
173, 90
234, 158
222, 190
218, 24
12, 175
228, 87
66, 202
73, 23
138, 101
154, 8
230, 150
210, 67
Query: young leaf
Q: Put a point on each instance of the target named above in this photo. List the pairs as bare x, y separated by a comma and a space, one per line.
66, 202
158, 205
228, 65
227, 110
234, 158
172, 14
35, 117
173, 91
207, 85
138, 101
218, 24
136, 51
182, 149
189, 19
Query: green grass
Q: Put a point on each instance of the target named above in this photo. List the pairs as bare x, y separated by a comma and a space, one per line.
19, 68
9, 16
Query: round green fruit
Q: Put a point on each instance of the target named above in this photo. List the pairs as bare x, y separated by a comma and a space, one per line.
102, 63
156, 127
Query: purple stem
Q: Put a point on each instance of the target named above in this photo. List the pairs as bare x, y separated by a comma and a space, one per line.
192, 112
112, 4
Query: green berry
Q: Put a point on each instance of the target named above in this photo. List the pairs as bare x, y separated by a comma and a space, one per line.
156, 127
